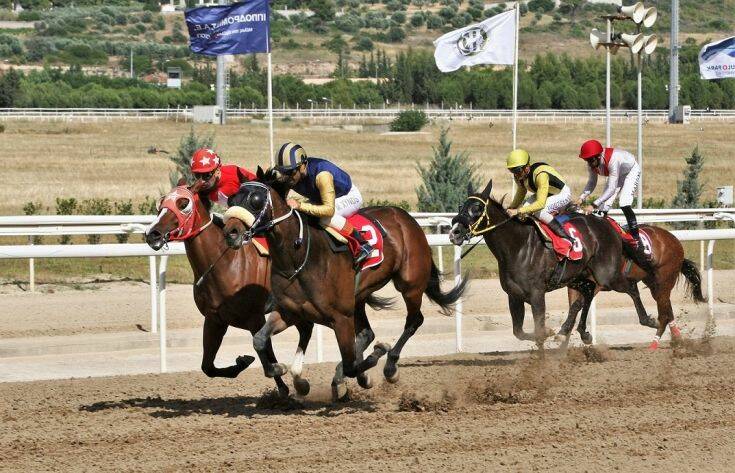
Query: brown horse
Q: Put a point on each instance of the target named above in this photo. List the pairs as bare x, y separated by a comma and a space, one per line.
235, 288
667, 262
312, 284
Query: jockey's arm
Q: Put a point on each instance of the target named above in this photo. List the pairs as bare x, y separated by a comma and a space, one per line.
610, 187
325, 183
245, 175
542, 192
591, 184
519, 196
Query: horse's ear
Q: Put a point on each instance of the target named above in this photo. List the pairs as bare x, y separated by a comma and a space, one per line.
259, 173
488, 189
196, 187
470, 191
182, 182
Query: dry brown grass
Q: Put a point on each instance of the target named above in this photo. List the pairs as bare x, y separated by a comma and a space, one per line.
42, 161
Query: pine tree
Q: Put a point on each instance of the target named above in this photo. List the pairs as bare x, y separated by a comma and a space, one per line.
182, 159
689, 191
445, 179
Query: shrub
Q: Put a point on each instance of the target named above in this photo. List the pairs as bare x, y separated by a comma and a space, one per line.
445, 179
364, 44
33, 208
399, 17
123, 208
95, 207
409, 120
404, 204
418, 19
148, 206
182, 159
396, 34
65, 207
541, 6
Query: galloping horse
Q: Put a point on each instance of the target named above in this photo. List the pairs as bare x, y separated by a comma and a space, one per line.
527, 268
667, 262
234, 291
312, 284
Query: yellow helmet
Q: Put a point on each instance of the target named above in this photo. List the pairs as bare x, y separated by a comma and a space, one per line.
517, 158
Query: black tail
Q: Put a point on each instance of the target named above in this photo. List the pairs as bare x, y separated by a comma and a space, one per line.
380, 303
694, 280
445, 299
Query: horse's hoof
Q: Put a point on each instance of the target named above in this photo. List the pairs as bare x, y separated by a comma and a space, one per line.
586, 338
381, 348
302, 386
390, 372
244, 361
340, 393
653, 346
276, 369
364, 381
675, 331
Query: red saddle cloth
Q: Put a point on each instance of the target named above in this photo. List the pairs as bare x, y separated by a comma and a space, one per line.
628, 239
562, 247
372, 234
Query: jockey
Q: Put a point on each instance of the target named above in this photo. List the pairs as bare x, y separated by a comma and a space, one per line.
331, 195
551, 194
219, 181
623, 174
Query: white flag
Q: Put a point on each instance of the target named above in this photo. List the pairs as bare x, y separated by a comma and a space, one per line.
490, 42
717, 60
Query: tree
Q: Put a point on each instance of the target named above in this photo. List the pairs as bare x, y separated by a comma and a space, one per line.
689, 191
182, 159
324, 10
571, 7
446, 178
9, 88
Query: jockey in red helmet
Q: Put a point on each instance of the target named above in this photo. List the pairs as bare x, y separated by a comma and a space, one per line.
219, 181
623, 175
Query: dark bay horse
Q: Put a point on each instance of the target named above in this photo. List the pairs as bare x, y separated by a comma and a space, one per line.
668, 263
233, 293
527, 268
312, 284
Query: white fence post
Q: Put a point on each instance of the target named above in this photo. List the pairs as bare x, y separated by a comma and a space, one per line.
710, 279
31, 269
440, 251
162, 311
154, 293
458, 305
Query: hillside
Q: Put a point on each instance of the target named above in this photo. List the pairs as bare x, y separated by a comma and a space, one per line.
308, 36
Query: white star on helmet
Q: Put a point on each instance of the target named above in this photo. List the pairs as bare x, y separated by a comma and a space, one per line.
216, 160
204, 161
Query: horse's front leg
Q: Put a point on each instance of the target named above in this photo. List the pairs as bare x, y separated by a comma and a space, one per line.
589, 290
538, 308
518, 314
301, 384
212, 339
274, 324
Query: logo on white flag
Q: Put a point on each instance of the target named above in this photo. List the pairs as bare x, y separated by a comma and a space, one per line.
717, 60
472, 41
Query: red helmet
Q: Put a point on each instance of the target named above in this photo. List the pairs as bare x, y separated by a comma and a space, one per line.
204, 160
590, 149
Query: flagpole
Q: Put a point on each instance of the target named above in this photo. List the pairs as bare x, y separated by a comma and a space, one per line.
515, 80
270, 93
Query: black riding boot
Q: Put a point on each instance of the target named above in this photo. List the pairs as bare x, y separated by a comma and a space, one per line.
366, 248
559, 230
632, 224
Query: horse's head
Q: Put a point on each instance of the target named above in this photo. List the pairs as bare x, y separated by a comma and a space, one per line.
251, 210
179, 217
478, 214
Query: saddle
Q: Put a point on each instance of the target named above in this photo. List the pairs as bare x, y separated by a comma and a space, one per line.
561, 246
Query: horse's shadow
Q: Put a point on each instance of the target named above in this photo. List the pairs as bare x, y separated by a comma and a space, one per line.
234, 406
481, 359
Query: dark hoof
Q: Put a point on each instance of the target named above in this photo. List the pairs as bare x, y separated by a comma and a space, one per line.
276, 369
650, 322
364, 381
302, 386
244, 361
586, 338
340, 393
390, 371
283, 390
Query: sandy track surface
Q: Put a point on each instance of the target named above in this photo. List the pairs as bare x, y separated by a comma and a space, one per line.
602, 409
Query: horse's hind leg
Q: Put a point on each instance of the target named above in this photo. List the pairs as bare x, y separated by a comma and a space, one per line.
589, 290
665, 315
212, 339
643, 317
414, 320
575, 305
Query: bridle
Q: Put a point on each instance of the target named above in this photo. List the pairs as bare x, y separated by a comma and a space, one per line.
187, 218
476, 228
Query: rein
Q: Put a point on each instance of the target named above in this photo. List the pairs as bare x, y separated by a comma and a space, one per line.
475, 229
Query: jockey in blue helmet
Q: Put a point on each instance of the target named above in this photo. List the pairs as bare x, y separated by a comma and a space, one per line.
330, 193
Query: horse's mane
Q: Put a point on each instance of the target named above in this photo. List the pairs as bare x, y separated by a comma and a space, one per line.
269, 177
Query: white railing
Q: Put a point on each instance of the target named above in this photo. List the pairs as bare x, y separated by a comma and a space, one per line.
158, 260
346, 114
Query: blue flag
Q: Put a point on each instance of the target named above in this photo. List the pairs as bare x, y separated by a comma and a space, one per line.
238, 28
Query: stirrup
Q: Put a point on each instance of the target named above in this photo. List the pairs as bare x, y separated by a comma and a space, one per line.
363, 254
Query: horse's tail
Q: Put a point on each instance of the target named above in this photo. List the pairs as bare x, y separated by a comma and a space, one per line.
380, 303
693, 280
444, 299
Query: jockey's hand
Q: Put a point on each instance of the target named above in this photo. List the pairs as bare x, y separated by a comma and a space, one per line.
294, 204
588, 209
512, 212
578, 202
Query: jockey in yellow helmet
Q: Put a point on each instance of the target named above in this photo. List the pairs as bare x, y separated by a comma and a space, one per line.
550, 194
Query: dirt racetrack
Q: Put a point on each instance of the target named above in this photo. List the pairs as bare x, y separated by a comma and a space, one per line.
603, 409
